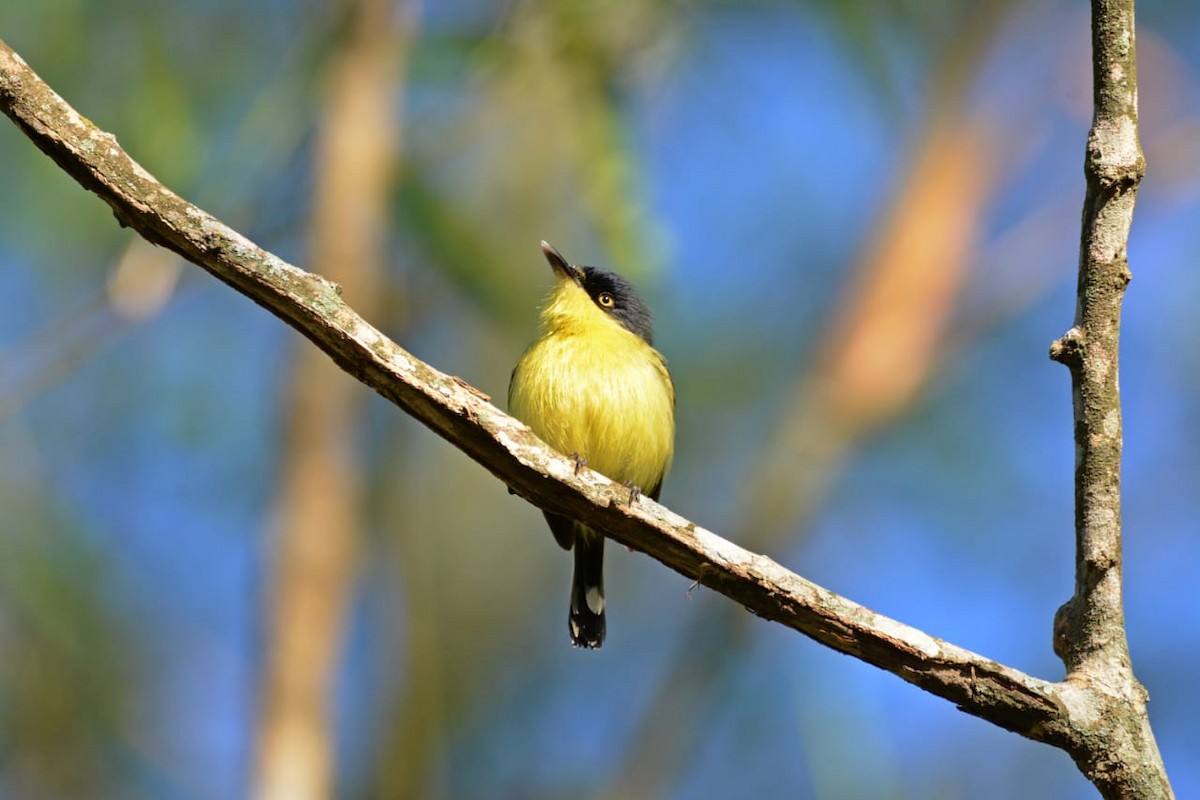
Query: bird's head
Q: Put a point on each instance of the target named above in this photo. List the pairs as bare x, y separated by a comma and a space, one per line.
592, 296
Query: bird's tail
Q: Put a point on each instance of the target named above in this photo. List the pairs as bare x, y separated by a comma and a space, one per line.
586, 620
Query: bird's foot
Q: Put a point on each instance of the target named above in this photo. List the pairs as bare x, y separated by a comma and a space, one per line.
580, 462
634, 492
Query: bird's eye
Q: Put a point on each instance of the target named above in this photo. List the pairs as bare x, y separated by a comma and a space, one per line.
605, 299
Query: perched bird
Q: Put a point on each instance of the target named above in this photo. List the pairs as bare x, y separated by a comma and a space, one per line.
593, 386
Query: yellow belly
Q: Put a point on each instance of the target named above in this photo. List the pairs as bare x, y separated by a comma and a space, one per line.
607, 397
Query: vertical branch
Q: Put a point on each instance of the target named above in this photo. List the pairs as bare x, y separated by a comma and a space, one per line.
321, 483
1090, 627
1114, 744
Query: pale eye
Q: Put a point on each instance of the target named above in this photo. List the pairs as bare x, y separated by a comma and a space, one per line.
605, 299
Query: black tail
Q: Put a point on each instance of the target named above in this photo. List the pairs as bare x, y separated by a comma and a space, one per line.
586, 620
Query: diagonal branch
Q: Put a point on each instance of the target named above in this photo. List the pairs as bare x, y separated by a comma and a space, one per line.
1072, 715
463, 416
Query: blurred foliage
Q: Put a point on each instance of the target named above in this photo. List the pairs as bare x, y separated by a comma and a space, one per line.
68, 676
747, 164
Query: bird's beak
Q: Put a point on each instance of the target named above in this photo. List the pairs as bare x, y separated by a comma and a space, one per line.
561, 267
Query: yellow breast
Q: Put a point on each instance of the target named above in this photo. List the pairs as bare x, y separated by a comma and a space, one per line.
591, 387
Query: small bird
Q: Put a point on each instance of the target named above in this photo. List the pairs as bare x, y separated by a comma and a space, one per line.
592, 386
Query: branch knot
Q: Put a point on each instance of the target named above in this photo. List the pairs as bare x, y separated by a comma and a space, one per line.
1068, 348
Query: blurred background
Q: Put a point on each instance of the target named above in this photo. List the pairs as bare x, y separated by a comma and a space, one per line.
228, 570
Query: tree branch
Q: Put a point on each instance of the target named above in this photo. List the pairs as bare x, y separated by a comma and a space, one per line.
1064, 714
1089, 629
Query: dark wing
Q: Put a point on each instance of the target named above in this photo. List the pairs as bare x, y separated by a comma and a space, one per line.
563, 529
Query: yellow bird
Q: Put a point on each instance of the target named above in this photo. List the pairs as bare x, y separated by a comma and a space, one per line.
593, 386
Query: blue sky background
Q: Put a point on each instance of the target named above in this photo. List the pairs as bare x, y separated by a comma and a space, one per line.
761, 146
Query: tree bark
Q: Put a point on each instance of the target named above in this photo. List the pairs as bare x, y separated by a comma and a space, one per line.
1116, 747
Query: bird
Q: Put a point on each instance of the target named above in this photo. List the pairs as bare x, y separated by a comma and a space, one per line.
593, 387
